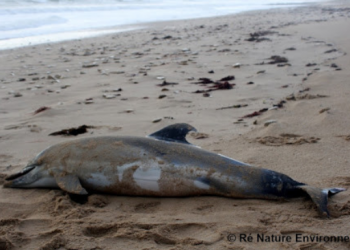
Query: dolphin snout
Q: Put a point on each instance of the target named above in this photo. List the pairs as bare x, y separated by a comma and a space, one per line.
8, 184
21, 178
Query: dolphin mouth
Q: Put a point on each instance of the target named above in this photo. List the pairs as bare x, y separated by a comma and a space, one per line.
15, 176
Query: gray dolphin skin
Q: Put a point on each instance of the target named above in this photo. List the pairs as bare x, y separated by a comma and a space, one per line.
162, 165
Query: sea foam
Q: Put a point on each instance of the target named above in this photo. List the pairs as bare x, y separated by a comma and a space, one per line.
44, 20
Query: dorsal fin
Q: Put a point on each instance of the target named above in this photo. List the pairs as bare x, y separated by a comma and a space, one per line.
174, 133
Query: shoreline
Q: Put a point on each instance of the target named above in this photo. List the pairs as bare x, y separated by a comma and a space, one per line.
286, 110
22, 42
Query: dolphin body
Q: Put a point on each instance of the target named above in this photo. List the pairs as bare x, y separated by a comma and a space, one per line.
163, 165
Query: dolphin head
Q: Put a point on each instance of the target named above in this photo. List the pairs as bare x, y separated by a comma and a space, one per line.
33, 175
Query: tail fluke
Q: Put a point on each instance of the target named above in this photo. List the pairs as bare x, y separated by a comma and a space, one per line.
320, 196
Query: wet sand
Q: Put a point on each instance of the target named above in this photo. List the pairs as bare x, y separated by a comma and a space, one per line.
286, 109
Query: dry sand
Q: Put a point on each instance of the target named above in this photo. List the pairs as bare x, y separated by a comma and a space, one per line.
307, 140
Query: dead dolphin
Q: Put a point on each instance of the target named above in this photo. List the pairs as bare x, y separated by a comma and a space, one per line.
164, 164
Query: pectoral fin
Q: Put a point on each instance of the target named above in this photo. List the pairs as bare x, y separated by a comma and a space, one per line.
70, 183
320, 196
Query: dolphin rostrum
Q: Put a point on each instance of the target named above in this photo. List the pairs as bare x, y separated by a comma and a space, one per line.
163, 165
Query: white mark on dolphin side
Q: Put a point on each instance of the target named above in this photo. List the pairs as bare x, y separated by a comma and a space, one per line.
147, 178
124, 167
201, 185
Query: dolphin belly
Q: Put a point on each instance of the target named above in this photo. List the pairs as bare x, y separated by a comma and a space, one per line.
45, 182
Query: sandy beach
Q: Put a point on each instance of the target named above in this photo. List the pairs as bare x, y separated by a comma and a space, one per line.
282, 103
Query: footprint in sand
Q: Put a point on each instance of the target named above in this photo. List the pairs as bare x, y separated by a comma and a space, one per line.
162, 234
99, 230
122, 230
188, 233
11, 234
339, 209
345, 137
30, 232
205, 208
341, 181
286, 139
32, 127
33, 226
5, 244
56, 242
98, 201
147, 207
7, 225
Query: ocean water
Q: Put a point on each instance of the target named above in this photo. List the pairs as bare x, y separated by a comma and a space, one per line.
28, 22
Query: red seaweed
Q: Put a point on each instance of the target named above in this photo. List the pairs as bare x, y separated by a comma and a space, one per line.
41, 109
73, 131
